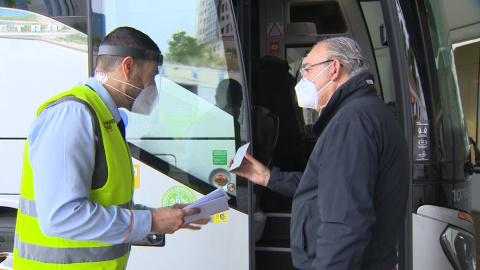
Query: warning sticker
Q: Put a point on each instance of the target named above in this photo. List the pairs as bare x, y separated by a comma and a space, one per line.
421, 140
275, 29
231, 187
178, 194
274, 47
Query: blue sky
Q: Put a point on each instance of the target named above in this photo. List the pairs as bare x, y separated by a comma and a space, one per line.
158, 19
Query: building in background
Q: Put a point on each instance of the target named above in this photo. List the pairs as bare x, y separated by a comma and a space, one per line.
215, 27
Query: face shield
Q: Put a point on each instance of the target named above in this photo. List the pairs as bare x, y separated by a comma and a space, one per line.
151, 59
147, 99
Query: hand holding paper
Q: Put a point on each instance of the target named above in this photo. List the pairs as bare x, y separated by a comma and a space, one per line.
212, 203
245, 165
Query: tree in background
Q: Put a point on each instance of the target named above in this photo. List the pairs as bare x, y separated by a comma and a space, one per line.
13, 3
184, 48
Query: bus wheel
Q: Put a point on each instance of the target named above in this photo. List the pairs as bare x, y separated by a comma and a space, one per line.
7, 232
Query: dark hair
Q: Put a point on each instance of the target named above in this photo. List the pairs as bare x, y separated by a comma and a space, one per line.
124, 37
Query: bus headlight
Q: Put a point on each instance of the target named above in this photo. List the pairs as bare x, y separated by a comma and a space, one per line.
459, 246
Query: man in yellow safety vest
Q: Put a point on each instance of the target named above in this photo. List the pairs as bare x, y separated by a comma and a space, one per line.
75, 208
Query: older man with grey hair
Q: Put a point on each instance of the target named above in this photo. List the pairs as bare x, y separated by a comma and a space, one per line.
350, 202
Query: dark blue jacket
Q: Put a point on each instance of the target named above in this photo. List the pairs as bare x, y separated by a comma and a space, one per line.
349, 206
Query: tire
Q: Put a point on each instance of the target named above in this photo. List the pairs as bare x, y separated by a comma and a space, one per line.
7, 232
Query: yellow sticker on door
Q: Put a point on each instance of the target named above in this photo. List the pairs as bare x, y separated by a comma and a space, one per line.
221, 217
136, 175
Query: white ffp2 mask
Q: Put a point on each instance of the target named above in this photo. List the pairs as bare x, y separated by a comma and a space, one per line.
307, 95
144, 103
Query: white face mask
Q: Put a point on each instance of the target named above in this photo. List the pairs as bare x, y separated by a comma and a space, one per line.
144, 103
307, 95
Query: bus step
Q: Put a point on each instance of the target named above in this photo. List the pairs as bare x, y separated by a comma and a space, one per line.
273, 259
270, 201
272, 244
276, 231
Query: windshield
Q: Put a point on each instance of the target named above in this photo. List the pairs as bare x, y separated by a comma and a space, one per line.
449, 119
199, 121
201, 118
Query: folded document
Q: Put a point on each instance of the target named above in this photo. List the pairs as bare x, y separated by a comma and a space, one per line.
212, 203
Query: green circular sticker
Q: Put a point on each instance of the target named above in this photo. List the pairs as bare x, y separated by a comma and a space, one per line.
178, 194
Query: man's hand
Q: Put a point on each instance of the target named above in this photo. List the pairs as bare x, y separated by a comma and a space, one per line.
167, 220
252, 169
202, 221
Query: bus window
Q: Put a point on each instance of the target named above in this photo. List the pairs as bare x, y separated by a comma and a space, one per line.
199, 120
418, 104
71, 13
451, 118
372, 14
36, 50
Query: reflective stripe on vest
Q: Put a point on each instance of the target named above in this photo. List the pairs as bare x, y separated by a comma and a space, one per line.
69, 255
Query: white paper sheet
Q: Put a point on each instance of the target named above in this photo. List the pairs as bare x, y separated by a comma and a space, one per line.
212, 203
237, 160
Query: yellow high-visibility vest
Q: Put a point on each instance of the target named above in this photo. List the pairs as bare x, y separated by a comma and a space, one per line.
35, 250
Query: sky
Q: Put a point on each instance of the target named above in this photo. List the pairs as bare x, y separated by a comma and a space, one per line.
158, 19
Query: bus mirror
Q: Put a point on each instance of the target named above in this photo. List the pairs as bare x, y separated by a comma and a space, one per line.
473, 168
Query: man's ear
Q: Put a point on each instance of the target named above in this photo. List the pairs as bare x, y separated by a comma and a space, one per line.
128, 67
335, 71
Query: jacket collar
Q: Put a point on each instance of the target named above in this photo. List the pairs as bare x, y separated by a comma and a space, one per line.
357, 86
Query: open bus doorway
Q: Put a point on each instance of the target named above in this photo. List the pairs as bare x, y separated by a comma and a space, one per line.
407, 44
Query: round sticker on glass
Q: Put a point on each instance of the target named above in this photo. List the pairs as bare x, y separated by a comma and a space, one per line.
178, 194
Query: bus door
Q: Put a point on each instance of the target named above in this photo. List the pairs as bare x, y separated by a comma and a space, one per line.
287, 31
408, 47
181, 150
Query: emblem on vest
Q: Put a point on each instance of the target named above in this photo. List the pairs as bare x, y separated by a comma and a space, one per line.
108, 124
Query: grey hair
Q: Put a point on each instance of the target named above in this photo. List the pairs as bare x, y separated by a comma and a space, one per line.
348, 52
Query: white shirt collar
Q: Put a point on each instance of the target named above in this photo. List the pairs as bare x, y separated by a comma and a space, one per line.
105, 96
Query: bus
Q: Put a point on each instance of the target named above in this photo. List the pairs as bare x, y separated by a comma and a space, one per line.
228, 79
